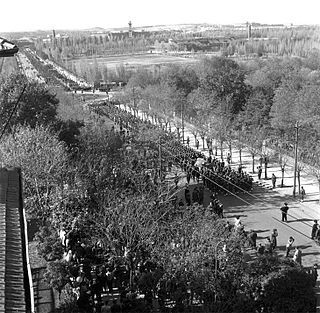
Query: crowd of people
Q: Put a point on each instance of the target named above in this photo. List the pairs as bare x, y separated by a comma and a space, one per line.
103, 276
216, 175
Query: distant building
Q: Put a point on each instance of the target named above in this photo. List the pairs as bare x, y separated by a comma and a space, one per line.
130, 29
249, 30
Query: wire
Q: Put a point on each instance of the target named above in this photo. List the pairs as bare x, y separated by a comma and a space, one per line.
183, 154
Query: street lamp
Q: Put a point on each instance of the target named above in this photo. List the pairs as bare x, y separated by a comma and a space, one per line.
295, 158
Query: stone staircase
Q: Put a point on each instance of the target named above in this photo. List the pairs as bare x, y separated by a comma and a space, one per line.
12, 270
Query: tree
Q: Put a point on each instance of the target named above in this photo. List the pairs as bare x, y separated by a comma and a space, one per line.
43, 160
286, 110
37, 105
313, 165
288, 290
142, 78
256, 111
254, 144
225, 79
183, 78
57, 275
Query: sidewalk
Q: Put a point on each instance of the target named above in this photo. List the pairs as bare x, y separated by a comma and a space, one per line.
264, 212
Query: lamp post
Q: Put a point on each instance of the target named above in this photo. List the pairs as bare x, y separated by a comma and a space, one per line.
295, 158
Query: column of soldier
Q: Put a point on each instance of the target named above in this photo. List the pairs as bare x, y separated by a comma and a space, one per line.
215, 174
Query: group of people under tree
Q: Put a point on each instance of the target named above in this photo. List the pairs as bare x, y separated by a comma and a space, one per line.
214, 174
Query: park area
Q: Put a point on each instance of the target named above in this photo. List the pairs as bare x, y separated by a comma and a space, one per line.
136, 60
153, 202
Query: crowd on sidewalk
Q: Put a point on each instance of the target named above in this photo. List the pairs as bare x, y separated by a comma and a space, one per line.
215, 174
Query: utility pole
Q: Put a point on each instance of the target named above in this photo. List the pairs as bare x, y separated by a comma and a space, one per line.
182, 122
160, 160
295, 158
134, 102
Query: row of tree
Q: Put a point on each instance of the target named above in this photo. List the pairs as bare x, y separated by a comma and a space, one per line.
281, 41
258, 102
97, 185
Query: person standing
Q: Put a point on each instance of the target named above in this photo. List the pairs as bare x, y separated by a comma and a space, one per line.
188, 141
229, 158
197, 144
259, 172
195, 195
253, 239
289, 245
284, 210
297, 257
237, 222
302, 193
260, 250
268, 246
274, 180
273, 238
314, 273
188, 177
314, 229
187, 195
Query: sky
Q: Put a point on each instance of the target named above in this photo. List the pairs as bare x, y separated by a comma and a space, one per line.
28, 15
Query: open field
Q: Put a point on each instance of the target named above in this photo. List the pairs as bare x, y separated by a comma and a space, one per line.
137, 60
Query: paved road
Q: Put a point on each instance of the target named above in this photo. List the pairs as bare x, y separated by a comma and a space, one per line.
260, 209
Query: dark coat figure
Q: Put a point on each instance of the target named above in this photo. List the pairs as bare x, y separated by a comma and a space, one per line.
314, 273
259, 172
284, 210
188, 177
289, 245
268, 246
197, 144
273, 238
252, 236
195, 195
220, 209
260, 249
229, 158
274, 180
314, 229
201, 194
187, 196
188, 140
302, 193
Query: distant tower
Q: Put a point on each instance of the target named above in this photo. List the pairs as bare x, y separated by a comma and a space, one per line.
130, 29
249, 30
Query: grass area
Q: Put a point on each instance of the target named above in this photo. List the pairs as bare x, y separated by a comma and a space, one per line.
135, 60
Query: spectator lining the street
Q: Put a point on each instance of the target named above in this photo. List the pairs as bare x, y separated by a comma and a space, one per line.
314, 229
289, 246
274, 180
297, 257
302, 194
273, 238
284, 210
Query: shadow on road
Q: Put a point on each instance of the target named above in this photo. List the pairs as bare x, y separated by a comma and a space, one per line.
302, 220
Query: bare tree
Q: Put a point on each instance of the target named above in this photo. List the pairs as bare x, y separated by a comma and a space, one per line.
254, 144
